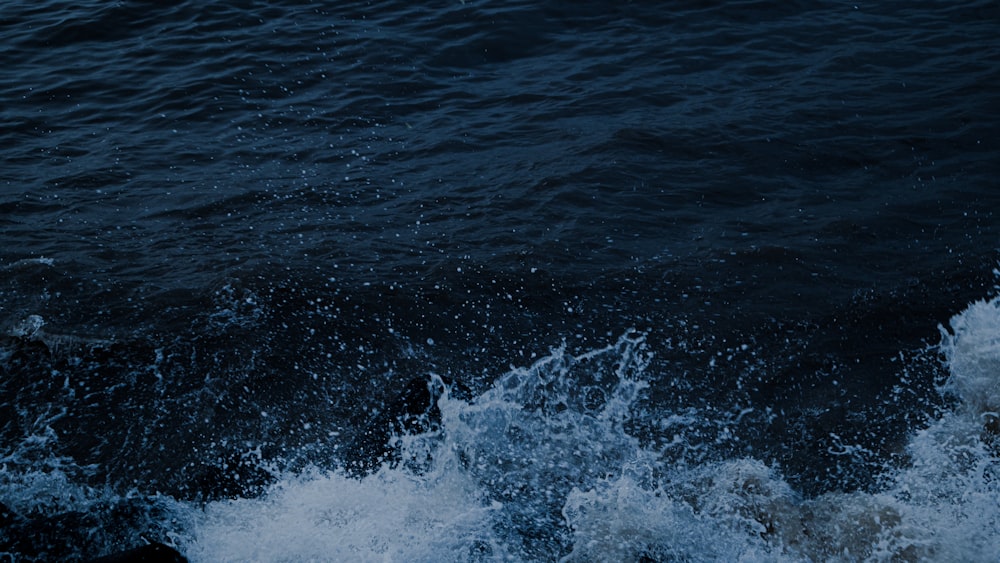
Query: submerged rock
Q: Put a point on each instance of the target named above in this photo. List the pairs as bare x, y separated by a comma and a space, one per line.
154, 552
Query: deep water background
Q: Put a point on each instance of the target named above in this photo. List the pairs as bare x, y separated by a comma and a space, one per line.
232, 227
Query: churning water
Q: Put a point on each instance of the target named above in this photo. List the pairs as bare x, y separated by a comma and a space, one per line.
494, 281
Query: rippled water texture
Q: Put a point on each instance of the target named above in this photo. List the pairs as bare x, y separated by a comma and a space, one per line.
238, 240
166, 139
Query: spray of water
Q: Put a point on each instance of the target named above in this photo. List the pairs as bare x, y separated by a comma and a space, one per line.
547, 465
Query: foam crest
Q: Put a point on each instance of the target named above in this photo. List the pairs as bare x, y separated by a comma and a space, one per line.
620, 519
948, 496
389, 516
973, 352
546, 465
542, 466
543, 430
489, 484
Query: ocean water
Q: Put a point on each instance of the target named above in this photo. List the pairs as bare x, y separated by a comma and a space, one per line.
500, 281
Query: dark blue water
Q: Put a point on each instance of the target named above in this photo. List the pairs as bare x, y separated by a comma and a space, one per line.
499, 281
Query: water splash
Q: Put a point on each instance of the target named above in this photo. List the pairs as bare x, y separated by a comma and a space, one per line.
548, 464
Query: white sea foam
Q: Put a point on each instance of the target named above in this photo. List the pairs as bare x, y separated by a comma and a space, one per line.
389, 516
542, 466
546, 448
973, 351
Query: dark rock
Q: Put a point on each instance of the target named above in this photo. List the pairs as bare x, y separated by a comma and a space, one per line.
153, 553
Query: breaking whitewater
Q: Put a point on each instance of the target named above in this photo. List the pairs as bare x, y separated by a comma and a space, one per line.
550, 463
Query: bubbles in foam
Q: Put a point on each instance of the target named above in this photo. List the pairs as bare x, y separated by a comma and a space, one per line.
543, 430
388, 516
49, 511
489, 485
973, 352
542, 467
545, 465
620, 519
948, 495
